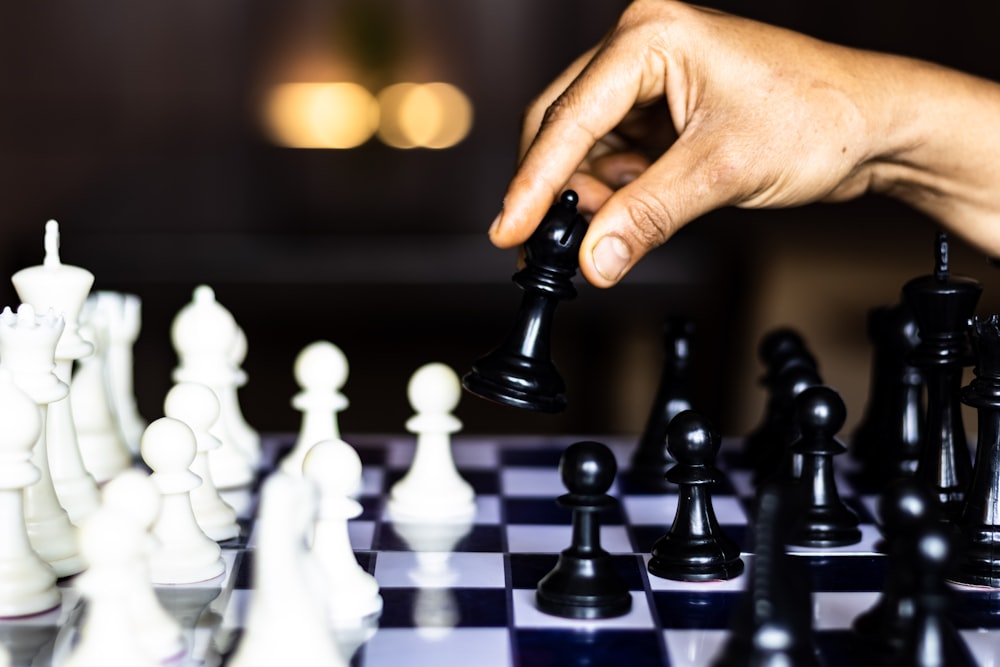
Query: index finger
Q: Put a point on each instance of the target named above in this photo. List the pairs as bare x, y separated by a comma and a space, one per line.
591, 106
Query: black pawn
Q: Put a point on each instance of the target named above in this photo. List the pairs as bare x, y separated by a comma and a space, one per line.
824, 520
584, 583
673, 396
520, 372
772, 623
905, 506
779, 350
979, 523
944, 305
887, 441
695, 548
931, 640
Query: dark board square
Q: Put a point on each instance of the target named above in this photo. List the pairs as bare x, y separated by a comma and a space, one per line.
602, 648
843, 647
371, 508
976, 608
843, 573
370, 456
696, 610
243, 568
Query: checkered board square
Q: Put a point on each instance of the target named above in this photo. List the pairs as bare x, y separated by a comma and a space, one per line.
464, 594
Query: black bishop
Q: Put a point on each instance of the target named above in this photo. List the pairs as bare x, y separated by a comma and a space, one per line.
520, 372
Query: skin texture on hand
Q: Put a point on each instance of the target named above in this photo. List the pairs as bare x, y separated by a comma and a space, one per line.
681, 110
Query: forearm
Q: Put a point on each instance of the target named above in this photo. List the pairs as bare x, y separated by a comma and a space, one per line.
941, 147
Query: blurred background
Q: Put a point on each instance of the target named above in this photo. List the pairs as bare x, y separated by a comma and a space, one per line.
330, 168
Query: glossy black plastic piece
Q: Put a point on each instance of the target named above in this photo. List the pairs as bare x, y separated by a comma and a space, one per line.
944, 305
824, 521
673, 395
979, 523
889, 437
584, 583
520, 372
695, 548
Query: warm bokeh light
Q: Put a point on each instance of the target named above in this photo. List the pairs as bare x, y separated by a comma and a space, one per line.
429, 115
321, 115
390, 130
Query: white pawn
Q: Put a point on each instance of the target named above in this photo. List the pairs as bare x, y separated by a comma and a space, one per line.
185, 554
287, 621
134, 498
197, 406
432, 490
352, 593
28, 584
321, 371
108, 637
102, 444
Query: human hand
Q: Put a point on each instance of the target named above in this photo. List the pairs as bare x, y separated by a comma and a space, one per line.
681, 110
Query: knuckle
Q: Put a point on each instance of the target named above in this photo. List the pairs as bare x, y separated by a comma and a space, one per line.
649, 219
563, 117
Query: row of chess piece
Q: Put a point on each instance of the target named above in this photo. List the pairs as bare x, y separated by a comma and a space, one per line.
72, 430
913, 424
921, 349
922, 346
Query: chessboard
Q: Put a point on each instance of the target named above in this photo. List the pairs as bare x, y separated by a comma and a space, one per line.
463, 593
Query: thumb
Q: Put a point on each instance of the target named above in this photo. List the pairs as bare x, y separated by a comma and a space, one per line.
682, 185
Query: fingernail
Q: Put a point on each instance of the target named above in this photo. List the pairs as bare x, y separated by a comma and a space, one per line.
611, 256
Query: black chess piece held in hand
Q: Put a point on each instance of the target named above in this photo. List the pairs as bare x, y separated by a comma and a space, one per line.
695, 548
520, 372
584, 583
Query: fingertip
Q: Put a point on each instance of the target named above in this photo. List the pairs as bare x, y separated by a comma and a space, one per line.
502, 232
494, 231
523, 209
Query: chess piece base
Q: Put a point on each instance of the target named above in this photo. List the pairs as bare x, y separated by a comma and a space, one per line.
696, 560
585, 588
519, 382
